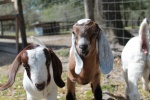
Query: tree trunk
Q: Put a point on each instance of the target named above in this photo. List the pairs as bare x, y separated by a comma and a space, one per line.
89, 9
22, 24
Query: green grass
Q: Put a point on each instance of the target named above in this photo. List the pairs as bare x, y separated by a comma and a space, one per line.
63, 52
16, 91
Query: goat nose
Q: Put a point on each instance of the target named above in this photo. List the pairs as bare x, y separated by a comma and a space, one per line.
41, 86
83, 47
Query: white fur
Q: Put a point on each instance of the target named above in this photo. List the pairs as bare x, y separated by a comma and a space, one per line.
136, 63
38, 70
49, 93
83, 21
83, 41
79, 62
36, 61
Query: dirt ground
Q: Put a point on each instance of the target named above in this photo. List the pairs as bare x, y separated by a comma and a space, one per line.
56, 42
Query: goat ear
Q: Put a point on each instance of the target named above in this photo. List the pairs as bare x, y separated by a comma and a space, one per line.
78, 60
13, 69
12, 72
106, 58
37, 41
143, 32
57, 70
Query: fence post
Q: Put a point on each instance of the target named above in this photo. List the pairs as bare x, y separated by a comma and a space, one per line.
89, 9
22, 24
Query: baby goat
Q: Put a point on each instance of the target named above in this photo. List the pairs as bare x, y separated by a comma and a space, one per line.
90, 49
42, 73
136, 61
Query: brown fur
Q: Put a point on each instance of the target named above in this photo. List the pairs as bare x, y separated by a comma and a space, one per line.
90, 68
57, 69
90, 72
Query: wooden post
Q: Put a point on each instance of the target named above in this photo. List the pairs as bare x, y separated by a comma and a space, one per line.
98, 12
17, 34
2, 28
22, 24
89, 9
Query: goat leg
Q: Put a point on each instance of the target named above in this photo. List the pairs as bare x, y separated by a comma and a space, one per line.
145, 78
70, 90
96, 89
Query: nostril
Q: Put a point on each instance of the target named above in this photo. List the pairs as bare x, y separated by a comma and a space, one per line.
40, 86
83, 47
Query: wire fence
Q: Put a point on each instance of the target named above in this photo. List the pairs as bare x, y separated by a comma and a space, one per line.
124, 17
59, 15
121, 16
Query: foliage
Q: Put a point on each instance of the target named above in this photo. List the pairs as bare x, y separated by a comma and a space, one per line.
7, 9
60, 12
52, 10
136, 10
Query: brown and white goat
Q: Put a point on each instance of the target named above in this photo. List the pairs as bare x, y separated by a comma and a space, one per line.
42, 73
90, 53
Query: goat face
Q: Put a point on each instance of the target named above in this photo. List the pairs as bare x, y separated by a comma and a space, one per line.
37, 65
36, 60
85, 32
87, 37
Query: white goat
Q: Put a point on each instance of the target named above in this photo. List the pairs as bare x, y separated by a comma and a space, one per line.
136, 61
42, 73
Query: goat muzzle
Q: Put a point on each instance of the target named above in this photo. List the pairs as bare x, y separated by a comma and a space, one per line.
40, 86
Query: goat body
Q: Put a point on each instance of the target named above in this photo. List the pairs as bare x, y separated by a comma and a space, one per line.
42, 73
85, 56
136, 62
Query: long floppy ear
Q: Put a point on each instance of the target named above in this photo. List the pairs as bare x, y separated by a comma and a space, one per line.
144, 33
57, 70
106, 58
13, 69
12, 72
78, 60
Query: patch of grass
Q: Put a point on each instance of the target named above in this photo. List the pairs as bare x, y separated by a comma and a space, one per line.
108, 87
89, 94
16, 91
63, 52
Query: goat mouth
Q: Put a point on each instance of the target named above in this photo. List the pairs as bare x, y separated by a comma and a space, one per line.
84, 52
